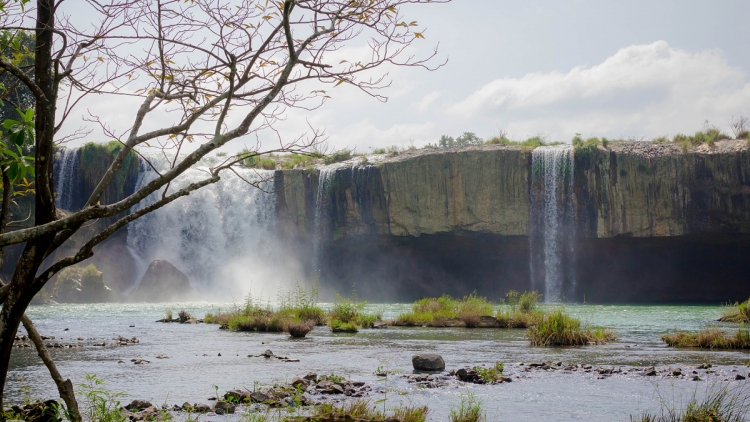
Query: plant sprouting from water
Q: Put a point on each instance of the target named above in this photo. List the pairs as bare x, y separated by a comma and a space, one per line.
469, 410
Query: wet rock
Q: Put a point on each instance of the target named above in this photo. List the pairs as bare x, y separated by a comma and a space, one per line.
138, 405
379, 324
649, 372
676, 372
696, 378
139, 361
201, 408
311, 376
258, 397
162, 282
704, 366
100, 344
739, 377
267, 354
162, 357
38, 412
237, 396
428, 362
299, 383
223, 407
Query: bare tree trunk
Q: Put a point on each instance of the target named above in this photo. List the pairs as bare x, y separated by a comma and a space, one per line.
65, 387
22, 287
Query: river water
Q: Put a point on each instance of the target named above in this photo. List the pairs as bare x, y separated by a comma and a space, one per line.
194, 366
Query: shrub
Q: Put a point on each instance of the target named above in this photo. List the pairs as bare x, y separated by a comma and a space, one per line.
183, 317
660, 140
559, 329
299, 329
338, 156
297, 160
739, 312
253, 160
710, 338
490, 374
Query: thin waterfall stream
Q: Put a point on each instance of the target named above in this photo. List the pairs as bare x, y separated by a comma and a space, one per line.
552, 222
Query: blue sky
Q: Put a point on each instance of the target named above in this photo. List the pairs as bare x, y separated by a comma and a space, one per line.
621, 69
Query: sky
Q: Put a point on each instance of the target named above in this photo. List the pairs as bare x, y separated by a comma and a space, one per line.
621, 69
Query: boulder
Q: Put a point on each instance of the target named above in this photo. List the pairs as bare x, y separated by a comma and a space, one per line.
299, 383
163, 282
78, 284
138, 405
428, 362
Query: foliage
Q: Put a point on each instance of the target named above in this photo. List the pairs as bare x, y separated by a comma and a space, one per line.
533, 142
100, 405
348, 313
522, 310
708, 137
296, 161
710, 338
434, 311
168, 315
298, 312
338, 156
490, 374
466, 138
556, 328
363, 409
720, 404
79, 284
739, 312
338, 326
470, 410
183, 316
252, 159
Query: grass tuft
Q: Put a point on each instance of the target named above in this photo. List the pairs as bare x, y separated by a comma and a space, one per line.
556, 328
710, 338
720, 404
470, 410
362, 409
739, 312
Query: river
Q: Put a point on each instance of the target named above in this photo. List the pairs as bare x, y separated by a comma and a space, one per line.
194, 366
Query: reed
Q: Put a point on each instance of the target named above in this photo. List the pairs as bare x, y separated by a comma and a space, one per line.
739, 312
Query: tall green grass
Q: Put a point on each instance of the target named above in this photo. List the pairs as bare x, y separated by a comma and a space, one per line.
470, 410
521, 311
720, 404
710, 338
557, 328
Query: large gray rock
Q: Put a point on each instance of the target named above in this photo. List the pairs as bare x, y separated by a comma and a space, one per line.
163, 282
78, 284
428, 362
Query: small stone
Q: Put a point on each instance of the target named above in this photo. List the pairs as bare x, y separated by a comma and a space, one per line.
224, 407
696, 378
219, 353
299, 383
138, 405
739, 377
311, 376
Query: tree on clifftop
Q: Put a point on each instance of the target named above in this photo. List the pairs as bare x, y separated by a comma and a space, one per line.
206, 72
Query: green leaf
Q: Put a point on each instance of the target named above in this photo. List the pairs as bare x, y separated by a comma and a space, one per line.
29, 114
12, 154
9, 123
20, 138
13, 172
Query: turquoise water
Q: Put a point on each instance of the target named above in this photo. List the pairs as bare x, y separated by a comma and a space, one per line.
194, 366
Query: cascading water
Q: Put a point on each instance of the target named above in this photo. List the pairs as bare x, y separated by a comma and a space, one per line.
65, 168
220, 232
552, 222
322, 211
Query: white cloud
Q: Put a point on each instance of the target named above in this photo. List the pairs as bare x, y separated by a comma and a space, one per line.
428, 99
645, 90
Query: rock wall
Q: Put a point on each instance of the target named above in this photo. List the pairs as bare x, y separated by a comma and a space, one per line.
455, 220
627, 189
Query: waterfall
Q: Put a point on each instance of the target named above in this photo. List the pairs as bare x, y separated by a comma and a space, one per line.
552, 222
224, 231
64, 169
322, 211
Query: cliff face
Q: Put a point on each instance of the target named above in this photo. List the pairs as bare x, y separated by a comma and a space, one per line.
647, 190
632, 189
